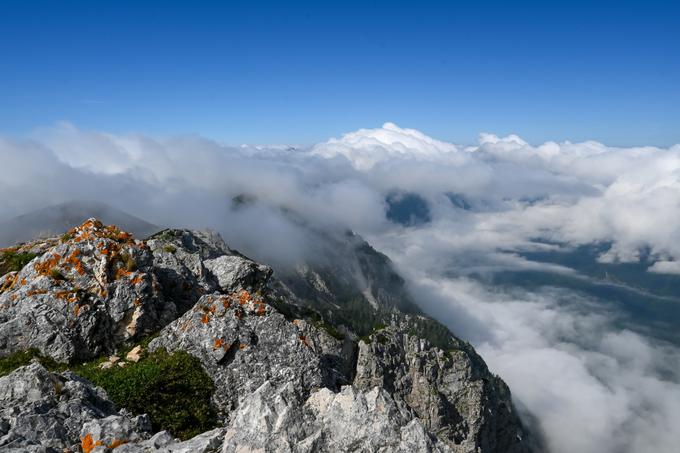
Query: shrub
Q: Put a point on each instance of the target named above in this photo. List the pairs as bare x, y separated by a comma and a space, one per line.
23, 358
12, 261
172, 389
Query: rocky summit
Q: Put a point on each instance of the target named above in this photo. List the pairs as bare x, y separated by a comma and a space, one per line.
177, 343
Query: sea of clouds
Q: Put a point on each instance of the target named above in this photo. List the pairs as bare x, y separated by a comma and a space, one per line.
592, 386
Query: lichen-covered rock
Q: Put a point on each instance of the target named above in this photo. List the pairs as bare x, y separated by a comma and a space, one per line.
192, 263
85, 294
451, 392
46, 412
97, 287
274, 419
40, 409
243, 342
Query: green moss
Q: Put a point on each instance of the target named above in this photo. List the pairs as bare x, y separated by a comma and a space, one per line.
172, 389
66, 237
169, 248
11, 261
23, 358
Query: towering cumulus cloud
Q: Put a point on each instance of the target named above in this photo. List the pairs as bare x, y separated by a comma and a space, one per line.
560, 262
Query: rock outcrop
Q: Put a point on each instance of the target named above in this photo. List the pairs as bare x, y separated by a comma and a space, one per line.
290, 372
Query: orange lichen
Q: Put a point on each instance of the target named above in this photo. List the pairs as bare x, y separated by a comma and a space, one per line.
76, 309
46, 266
225, 303
244, 297
212, 308
73, 260
68, 296
303, 340
218, 343
137, 279
10, 281
120, 273
36, 292
137, 302
88, 444
116, 443
205, 318
242, 346
261, 310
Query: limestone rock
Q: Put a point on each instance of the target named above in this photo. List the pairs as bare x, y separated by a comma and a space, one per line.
243, 342
454, 396
83, 296
272, 419
47, 410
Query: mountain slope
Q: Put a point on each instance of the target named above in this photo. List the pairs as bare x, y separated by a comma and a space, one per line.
53, 220
287, 376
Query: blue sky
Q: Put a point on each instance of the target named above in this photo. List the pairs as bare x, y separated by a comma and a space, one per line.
300, 72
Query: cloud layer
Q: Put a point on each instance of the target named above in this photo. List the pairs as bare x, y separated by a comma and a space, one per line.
593, 386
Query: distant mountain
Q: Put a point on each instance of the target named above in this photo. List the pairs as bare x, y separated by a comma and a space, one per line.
54, 220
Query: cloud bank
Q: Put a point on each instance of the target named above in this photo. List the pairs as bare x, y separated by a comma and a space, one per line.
593, 386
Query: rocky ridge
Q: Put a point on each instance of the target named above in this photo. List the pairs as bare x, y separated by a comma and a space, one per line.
287, 377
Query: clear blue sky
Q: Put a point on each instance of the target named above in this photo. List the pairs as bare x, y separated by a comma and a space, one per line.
299, 72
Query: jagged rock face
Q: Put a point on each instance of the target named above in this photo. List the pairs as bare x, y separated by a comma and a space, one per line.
454, 395
274, 419
347, 271
43, 409
97, 288
192, 263
85, 294
47, 412
243, 342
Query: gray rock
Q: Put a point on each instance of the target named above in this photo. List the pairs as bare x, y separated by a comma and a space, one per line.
47, 410
243, 342
272, 419
83, 297
192, 263
454, 396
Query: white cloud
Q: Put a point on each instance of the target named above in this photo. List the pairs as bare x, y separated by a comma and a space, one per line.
665, 267
594, 386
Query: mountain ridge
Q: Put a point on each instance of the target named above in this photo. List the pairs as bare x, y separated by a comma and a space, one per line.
96, 290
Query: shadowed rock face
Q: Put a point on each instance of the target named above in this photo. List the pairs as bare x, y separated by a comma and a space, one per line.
287, 377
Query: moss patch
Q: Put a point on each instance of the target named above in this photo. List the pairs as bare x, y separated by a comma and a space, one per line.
172, 389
